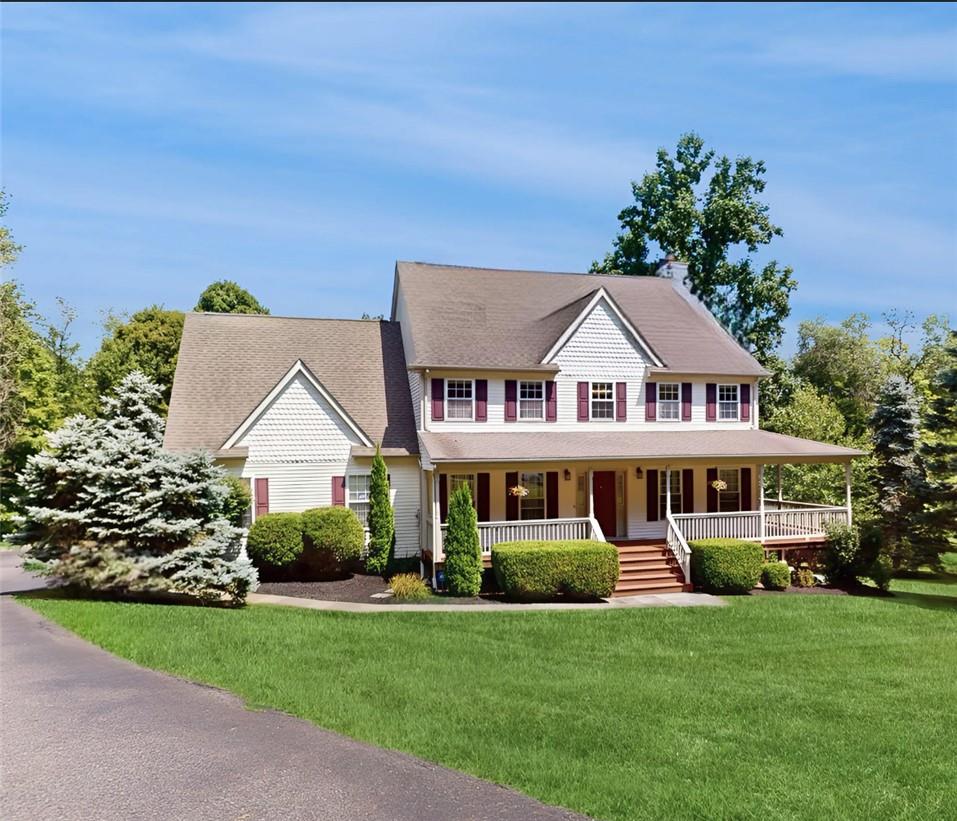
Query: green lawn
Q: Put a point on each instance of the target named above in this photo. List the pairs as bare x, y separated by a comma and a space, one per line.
772, 707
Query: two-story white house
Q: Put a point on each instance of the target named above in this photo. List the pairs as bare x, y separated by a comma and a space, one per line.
573, 405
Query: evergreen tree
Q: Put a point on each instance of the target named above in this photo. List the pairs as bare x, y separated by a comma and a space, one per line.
901, 482
109, 510
940, 449
381, 522
463, 554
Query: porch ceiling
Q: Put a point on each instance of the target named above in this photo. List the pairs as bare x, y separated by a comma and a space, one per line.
521, 446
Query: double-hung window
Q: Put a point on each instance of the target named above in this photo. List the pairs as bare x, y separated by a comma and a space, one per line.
728, 403
532, 505
602, 400
669, 401
729, 499
663, 492
531, 400
459, 394
458, 479
358, 498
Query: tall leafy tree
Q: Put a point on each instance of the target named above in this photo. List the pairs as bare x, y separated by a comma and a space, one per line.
706, 209
902, 486
9, 250
381, 520
228, 297
940, 447
148, 342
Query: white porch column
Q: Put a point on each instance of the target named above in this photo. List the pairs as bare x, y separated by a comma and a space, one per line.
847, 491
780, 493
591, 494
436, 523
761, 500
667, 490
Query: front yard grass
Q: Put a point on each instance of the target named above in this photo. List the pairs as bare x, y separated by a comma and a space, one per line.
772, 707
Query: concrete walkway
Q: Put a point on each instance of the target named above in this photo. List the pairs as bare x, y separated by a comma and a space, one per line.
656, 600
89, 736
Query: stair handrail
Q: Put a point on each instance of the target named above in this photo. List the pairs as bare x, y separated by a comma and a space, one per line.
679, 547
596, 532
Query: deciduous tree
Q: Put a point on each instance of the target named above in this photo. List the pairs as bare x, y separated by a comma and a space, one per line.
228, 297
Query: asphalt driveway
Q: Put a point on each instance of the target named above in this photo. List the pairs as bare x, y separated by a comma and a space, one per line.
86, 735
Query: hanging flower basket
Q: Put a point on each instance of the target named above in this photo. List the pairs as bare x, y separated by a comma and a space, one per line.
518, 490
719, 485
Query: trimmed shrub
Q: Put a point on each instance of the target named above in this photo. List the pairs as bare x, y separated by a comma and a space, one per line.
726, 565
881, 572
409, 587
275, 539
775, 576
842, 557
543, 570
463, 555
333, 531
237, 502
804, 577
381, 519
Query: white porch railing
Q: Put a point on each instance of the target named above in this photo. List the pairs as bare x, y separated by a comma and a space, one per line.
678, 546
796, 520
547, 530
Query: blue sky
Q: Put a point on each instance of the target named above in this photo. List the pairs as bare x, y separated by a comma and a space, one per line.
301, 150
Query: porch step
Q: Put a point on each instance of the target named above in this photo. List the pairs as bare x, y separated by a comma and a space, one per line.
649, 588
648, 566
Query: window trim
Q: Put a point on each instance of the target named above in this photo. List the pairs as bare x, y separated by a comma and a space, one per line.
348, 499
659, 403
592, 400
719, 492
518, 400
448, 416
737, 402
544, 475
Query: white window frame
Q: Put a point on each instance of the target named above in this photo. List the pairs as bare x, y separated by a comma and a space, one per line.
663, 403
737, 472
448, 399
521, 499
541, 384
455, 479
675, 492
737, 402
367, 501
592, 400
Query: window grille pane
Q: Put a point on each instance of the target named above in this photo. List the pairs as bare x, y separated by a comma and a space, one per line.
359, 497
533, 505
459, 399
456, 479
602, 400
729, 500
727, 401
531, 400
668, 402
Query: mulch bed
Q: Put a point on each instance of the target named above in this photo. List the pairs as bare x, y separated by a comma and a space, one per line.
358, 588
820, 590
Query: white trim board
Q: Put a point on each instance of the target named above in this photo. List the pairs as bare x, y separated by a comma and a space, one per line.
295, 370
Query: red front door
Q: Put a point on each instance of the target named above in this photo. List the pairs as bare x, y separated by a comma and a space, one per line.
603, 489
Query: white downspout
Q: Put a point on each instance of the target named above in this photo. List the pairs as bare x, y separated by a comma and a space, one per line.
761, 501
847, 491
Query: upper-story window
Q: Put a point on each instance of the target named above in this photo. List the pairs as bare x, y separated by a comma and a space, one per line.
531, 400
728, 402
602, 400
459, 394
669, 402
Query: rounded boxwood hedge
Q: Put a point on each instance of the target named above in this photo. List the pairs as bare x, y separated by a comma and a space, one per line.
335, 531
775, 576
543, 570
275, 539
725, 565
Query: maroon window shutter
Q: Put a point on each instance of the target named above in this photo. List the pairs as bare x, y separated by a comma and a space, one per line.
481, 400
745, 488
262, 497
651, 401
511, 400
339, 491
443, 497
621, 402
551, 494
685, 401
744, 395
484, 501
551, 402
582, 401
712, 477
711, 403
511, 502
438, 400
687, 490
651, 495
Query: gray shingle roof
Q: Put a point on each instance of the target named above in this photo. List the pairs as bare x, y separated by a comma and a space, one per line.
228, 363
618, 444
510, 319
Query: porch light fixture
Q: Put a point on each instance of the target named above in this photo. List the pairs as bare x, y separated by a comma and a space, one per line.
639, 473
568, 475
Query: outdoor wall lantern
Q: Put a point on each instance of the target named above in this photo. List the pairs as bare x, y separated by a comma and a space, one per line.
639, 473
568, 475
